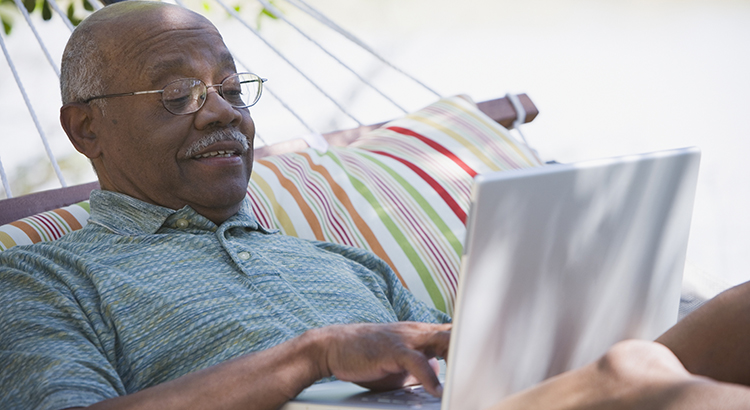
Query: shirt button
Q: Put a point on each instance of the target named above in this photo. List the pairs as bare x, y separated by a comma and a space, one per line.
244, 255
181, 223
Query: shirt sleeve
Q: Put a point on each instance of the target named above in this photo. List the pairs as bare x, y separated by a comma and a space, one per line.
50, 355
406, 306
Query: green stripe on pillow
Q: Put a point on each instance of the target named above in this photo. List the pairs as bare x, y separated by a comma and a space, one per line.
401, 233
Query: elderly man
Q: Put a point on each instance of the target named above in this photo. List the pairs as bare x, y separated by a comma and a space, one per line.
173, 296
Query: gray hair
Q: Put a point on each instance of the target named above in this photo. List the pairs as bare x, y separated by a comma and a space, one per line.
82, 69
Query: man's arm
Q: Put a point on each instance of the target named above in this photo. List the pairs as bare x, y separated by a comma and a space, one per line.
265, 380
700, 363
714, 340
633, 375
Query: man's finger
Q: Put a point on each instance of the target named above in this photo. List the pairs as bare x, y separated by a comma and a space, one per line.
419, 366
438, 342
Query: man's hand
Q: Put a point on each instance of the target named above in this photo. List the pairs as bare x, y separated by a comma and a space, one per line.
383, 356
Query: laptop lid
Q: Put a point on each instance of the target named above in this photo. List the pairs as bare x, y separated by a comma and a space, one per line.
561, 262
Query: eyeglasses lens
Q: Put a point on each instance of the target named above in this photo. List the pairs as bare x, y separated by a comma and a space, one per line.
184, 96
242, 90
187, 95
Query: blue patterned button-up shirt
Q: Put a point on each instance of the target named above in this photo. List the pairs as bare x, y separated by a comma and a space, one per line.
145, 294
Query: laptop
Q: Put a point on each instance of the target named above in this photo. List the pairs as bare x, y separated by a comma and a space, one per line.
560, 262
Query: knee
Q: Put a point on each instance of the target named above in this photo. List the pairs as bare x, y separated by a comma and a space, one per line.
638, 361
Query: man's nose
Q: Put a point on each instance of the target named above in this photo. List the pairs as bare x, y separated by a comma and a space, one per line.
216, 111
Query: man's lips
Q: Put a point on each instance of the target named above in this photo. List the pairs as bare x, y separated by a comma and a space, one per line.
223, 149
220, 154
221, 139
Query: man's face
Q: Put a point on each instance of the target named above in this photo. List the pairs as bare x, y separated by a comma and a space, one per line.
148, 152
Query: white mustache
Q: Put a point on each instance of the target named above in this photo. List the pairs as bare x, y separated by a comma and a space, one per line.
221, 134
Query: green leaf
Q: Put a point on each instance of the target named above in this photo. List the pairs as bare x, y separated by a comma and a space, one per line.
71, 15
266, 12
46, 11
30, 5
87, 5
7, 24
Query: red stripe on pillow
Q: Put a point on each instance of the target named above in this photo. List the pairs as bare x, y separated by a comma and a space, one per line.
49, 225
452, 204
437, 147
259, 212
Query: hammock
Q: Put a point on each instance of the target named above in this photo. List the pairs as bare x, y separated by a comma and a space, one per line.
510, 111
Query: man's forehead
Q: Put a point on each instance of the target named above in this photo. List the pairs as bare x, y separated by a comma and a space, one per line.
180, 63
126, 25
158, 40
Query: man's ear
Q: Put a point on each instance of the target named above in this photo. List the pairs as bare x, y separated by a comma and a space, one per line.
76, 120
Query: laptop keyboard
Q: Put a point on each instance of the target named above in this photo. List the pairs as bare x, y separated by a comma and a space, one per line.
414, 397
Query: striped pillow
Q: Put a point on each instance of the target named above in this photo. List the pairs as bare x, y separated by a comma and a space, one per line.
401, 191
46, 226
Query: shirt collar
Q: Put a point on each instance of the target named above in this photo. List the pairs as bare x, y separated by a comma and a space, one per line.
126, 215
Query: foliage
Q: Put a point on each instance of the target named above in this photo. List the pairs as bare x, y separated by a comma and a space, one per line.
72, 8
76, 10
265, 13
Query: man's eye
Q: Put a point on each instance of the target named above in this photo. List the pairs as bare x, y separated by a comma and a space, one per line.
177, 97
178, 101
233, 95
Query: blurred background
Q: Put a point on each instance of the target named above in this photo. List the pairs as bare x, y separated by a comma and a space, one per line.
609, 78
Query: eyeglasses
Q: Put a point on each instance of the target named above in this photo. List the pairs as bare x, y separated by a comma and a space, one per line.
187, 95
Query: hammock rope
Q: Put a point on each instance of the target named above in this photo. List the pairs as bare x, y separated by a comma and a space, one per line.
34, 117
276, 12
60, 13
286, 60
320, 17
281, 101
520, 115
6, 182
25, 13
